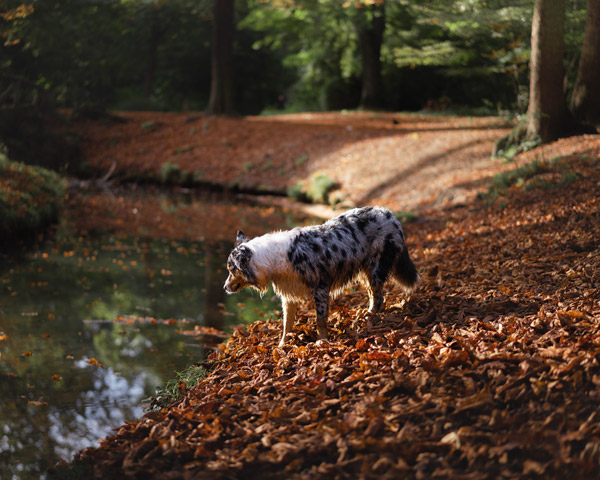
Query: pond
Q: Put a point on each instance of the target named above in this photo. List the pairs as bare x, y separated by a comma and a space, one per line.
92, 325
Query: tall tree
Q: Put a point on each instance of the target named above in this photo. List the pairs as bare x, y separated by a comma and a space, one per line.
585, 100
154, 36
547, 112
221, 99
370, 37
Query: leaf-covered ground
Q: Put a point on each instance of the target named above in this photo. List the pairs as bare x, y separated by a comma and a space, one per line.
402, 161
489, 370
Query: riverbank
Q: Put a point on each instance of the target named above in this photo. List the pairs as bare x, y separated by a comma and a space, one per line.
30, 199
489, 370
406, 162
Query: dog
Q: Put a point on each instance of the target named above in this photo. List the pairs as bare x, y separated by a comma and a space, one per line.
319, 261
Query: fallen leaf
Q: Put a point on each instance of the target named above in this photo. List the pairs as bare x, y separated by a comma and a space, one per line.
92, 361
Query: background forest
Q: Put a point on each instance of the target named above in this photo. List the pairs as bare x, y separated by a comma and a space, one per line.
311, 55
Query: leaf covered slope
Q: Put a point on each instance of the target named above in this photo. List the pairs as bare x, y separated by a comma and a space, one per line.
489, 370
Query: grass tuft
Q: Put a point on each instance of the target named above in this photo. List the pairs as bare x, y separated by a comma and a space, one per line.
174, 388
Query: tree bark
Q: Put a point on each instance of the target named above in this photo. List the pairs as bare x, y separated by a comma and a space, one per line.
585, 100
547, 113
222, 87
370, 38
152, 59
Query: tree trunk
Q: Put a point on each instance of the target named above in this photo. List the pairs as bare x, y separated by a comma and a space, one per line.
153, 42
547, 113
370, 38
585, 101
222, 87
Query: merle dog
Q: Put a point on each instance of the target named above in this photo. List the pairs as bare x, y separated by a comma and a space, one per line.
317, 262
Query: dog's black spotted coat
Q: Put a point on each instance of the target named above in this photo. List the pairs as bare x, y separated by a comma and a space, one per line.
364, 243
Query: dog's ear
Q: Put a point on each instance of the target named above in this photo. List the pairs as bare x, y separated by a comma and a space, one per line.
240, 238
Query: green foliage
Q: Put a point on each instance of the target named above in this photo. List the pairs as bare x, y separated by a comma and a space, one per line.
169, 173
301, 160
296, 191
515, 142
319, 187
150, 125
406, 216
29, 196
155, 55
197, 176
172, 174
174, 388
316, 190
538, 174
430, 49
503, 181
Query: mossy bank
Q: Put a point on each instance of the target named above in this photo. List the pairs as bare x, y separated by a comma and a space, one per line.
30, 198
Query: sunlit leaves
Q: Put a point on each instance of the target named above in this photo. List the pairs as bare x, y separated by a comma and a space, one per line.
13, 17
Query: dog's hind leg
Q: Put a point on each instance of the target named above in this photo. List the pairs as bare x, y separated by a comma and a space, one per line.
375, 291
377, 277
289, 314
321, 296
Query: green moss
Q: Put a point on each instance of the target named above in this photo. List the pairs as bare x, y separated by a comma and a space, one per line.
301, 160
198, 175
319, 187
536, 175
172, 174
297, 192
30, 196
406, 216
150, 125
316, 190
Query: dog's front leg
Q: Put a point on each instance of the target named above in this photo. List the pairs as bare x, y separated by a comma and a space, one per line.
289, 314
321, 296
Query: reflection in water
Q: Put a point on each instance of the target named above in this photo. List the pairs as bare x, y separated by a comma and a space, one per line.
112, 401
88, 329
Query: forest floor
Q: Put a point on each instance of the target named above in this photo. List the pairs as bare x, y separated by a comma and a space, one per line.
402, 161
490, 369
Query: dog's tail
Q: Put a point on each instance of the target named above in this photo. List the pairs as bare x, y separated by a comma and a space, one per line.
405, 271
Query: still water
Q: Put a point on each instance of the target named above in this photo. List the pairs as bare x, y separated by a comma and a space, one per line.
90, 327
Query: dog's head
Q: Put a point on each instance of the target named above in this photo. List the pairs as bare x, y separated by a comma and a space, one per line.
241, 273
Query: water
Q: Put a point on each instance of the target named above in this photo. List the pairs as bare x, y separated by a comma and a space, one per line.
90, 327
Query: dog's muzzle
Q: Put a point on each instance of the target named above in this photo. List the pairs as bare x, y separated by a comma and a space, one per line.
231, 287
